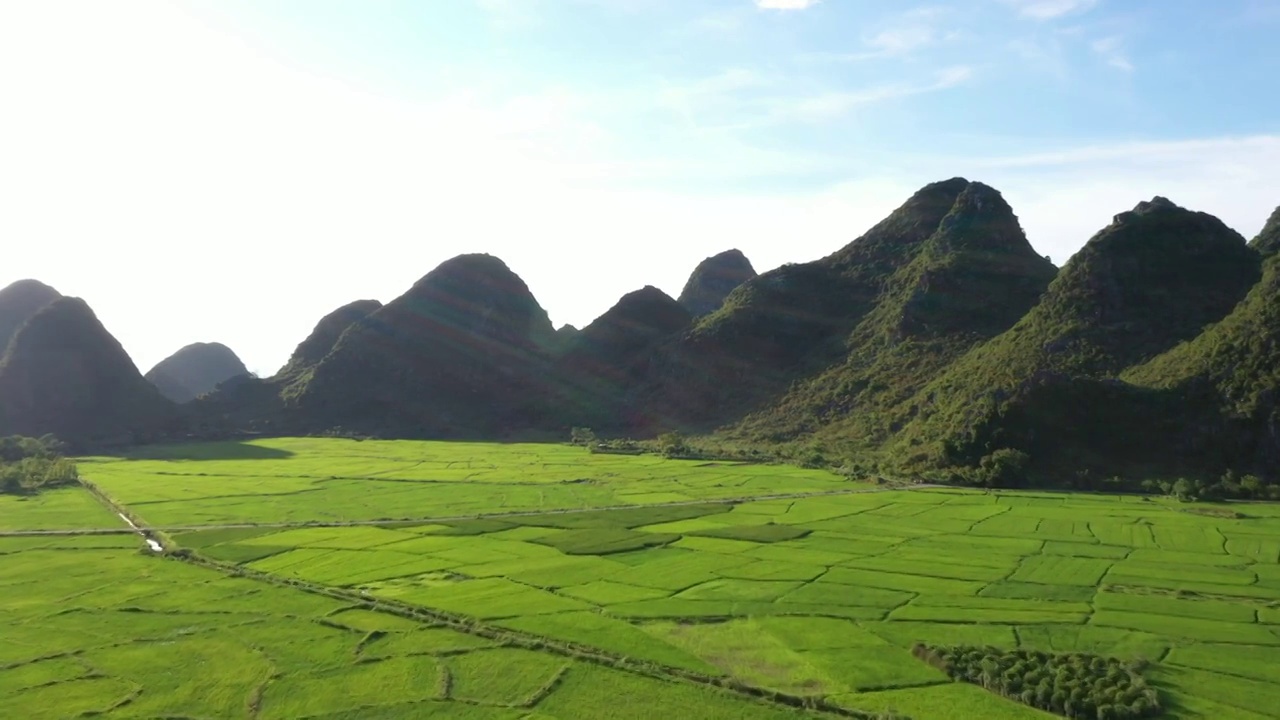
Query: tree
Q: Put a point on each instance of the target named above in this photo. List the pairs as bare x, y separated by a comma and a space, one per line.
582, 436
672, 443
1004, 468
1185, 490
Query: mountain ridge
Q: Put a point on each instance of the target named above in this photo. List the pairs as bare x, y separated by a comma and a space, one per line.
937, 342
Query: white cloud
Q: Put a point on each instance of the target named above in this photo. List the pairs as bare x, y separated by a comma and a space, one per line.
1050, 9
828, 106
900, 40
786, 4
740, 98
1111, 50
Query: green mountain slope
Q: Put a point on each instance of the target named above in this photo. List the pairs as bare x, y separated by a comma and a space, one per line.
325, 335
973, 277
64, 374
1153, 278
1267, 242
788, 323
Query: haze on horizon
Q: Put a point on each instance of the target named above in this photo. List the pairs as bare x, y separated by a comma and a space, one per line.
230, 171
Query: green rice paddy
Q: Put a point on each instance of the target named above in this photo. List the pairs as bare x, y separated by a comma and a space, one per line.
422, 579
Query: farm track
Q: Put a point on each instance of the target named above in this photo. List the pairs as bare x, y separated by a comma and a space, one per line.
437, 518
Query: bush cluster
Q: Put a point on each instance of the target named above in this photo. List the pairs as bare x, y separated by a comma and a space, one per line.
28, 465
1075, 685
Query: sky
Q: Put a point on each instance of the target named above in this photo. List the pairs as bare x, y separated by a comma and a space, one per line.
232, 170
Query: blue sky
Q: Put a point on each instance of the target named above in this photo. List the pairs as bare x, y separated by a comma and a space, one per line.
254, 164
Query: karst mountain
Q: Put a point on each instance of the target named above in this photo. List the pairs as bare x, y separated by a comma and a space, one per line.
937, 339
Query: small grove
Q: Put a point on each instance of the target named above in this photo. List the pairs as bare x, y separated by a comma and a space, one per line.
1075, 685
29, 465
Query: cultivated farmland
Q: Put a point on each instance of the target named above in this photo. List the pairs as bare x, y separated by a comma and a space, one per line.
333, 578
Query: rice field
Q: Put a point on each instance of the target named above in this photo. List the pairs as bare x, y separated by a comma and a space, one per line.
553, 585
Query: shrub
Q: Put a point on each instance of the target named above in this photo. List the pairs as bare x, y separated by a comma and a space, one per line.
29, 465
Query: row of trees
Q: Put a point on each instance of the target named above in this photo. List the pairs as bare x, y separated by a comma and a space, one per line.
1075, 685
28, 465
1229, 487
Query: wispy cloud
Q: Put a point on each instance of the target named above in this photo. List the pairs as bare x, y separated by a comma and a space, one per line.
510, 14
1111, 50
1050, 9
829, 106
786, 4
901, 40
896, 36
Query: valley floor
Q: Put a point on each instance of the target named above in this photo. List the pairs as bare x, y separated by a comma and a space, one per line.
710, 590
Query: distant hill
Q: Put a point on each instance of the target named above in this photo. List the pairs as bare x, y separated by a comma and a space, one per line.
325, 335
18, 303
65, 374
604, 361
195, 370
457, 355
1267, 242
972, 277
713, 280
1155, 277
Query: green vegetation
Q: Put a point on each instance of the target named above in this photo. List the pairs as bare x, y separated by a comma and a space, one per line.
331, 480
29, 465
793, 587
1078, 685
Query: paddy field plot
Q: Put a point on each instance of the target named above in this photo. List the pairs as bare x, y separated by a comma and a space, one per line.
338, 480
818, 594
114, 632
